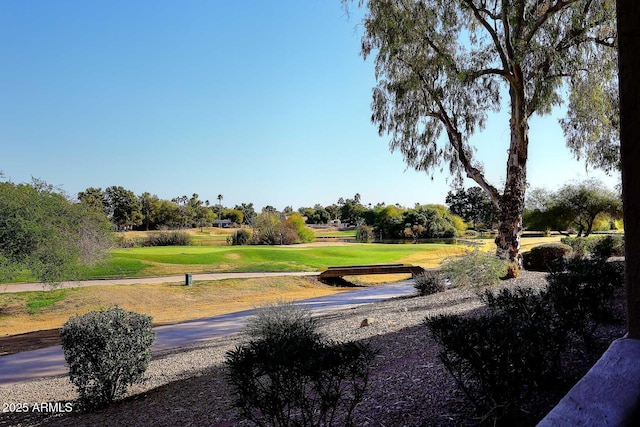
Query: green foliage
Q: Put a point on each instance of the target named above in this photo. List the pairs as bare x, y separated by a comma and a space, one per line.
106, 351
584, 206
296, 222
473, 205
288, 375
39, 300
582, 294
474, 269
442, 66
609, 246
123, 207
429, 282
271, 229
43, 232
546, 257
168, 238
499, 358
241, 237
364, 233
596, 246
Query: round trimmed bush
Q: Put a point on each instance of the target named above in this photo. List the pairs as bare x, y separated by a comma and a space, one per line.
546, 257
106, 351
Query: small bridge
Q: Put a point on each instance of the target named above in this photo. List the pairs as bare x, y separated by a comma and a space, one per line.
361, 270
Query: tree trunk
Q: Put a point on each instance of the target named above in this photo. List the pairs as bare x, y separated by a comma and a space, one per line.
628, 13
512, 200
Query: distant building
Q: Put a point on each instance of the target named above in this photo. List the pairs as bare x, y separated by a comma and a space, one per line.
222, 223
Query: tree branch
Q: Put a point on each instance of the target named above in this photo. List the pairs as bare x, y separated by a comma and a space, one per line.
492, 32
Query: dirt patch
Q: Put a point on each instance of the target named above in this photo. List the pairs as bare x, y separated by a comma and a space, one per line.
29, 341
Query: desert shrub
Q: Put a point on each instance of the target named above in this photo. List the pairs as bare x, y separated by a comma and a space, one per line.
168, 238
546, 257
288, 374
582, 294
580, 246
272, 321
429, 282
121, 241
513, 270
106, 351
241, 237
608, 246
596, 246
497, 360
476, 268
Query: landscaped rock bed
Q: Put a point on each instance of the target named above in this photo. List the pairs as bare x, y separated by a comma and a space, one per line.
408, 385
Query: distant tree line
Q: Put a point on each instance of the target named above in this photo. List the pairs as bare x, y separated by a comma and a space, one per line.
577, 207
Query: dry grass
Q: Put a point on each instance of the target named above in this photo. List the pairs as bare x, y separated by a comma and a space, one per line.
167, 303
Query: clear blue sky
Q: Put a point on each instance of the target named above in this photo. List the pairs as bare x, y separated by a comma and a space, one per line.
260, 101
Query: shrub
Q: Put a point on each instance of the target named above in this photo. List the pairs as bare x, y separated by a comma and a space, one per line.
513, 271
106, 351
289, 375
497, 359
241, 237
476, 268
608, 246
582, 295
500, 358
546, 257
596, 246
429, 282
124, 242
170, 238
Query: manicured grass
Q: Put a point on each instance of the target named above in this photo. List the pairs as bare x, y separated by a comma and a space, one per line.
139, 262
36, 301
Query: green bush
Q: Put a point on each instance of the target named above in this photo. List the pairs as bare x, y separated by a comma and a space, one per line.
287, 374
608, 246
596, 246
429, 282
546, 257
106, 351
168, 238
241, 237
582, 294
476, 268
497, 360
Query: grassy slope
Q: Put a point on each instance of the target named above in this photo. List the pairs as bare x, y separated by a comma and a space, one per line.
140, 262
167, 303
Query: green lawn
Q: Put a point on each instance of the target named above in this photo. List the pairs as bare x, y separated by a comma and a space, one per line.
139, 262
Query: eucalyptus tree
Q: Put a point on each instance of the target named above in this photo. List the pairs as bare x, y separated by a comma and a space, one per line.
443, 65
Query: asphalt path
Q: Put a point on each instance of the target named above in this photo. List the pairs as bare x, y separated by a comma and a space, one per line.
48, 362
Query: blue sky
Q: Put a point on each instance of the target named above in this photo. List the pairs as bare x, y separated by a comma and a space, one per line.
262, 102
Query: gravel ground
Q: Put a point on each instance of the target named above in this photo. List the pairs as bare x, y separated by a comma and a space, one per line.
187, 387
